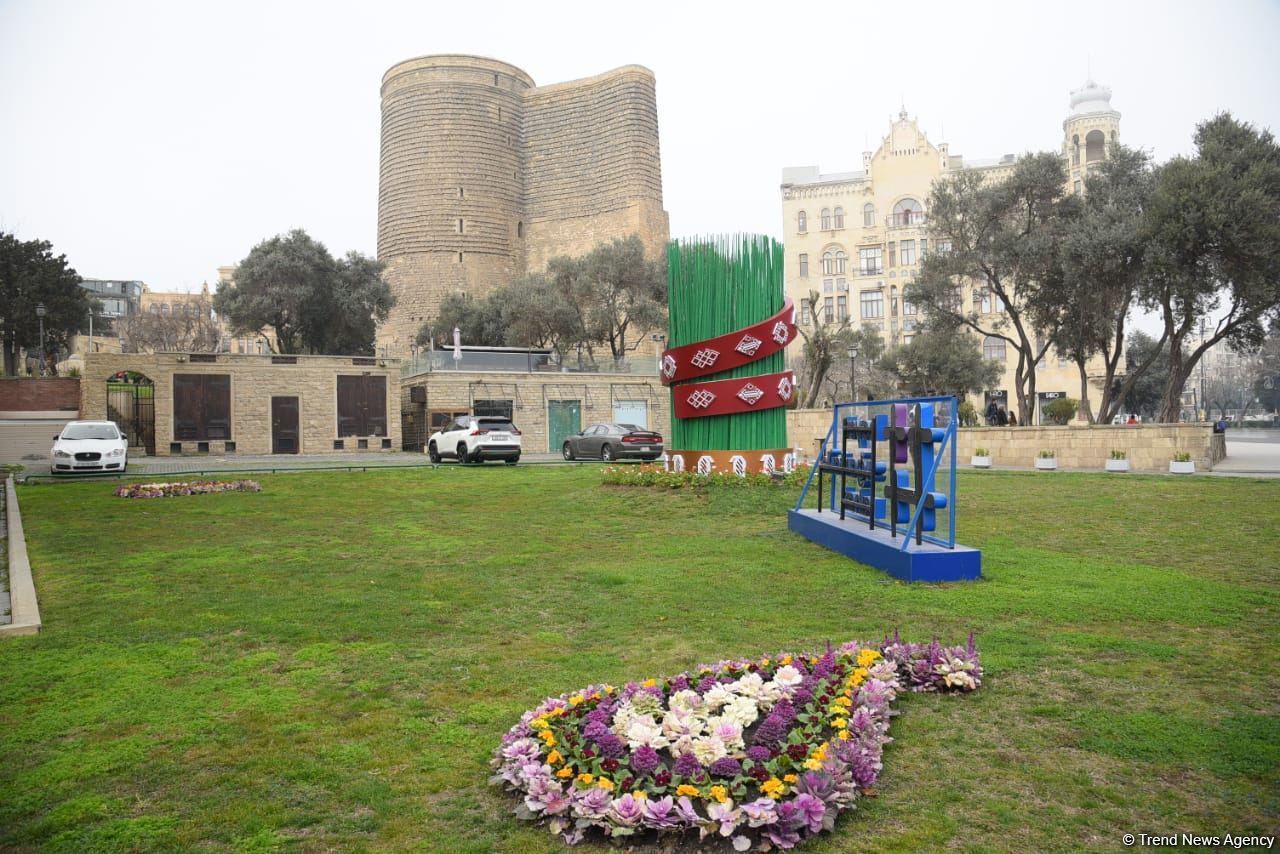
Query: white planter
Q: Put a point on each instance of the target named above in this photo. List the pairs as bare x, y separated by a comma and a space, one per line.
1050, 464
1176, 467
980, 462
1117, 465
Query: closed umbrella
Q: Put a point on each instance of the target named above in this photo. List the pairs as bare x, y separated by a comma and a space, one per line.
457, 347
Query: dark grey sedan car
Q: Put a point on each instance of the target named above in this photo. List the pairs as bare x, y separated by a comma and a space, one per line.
613, 442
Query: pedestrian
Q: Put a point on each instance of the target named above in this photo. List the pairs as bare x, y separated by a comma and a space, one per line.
992, 413
1013, 419
1002, 417
1133, 420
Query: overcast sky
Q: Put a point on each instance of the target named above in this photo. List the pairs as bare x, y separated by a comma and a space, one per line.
157, 141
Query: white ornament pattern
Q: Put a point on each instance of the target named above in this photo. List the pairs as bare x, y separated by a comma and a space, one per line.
701, 399
668, 366
748, 345
789, 463
785, 388
739, 465
705, 358
768, 464
750, 394
705, 465
780, 332
677, 462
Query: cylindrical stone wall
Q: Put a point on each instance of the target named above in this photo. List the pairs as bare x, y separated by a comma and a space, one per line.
451, 184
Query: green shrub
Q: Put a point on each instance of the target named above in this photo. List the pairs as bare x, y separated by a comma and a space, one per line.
1119, 454
1062, 410
968, 414
1182, 456
1047, 454
655, 476
981, 452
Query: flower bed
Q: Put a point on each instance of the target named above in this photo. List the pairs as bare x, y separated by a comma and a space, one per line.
193, 487
655, 476
762, 752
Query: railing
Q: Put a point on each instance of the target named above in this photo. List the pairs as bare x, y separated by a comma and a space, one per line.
905, 220
523, 363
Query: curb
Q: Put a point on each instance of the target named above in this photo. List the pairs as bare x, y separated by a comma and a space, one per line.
23, 607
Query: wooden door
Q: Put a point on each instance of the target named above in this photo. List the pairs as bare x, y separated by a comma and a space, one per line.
284, 425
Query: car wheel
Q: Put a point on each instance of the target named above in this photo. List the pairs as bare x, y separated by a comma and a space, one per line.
513, 462
433, 453
568, 451
463, 457
606, 453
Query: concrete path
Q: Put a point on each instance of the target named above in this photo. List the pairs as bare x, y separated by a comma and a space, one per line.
1251, 453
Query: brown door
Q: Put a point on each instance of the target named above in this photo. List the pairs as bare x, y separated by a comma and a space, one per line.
284, 425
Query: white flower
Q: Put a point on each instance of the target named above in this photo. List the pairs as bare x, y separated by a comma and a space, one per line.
678, 723
787, 676
685, 701
682, 745
708, 749
645, 730
716, 697
750, 685
742, 711
728, 731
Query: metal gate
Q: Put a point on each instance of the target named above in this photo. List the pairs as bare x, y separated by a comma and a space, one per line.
564, 418
133, 408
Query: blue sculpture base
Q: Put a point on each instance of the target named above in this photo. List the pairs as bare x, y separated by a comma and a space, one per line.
876, 548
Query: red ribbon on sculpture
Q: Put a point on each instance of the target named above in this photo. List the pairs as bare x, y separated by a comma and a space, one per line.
729, 397
732, 350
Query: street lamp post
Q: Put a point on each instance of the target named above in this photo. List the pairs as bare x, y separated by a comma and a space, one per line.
853, 371
40, 311
1203, 402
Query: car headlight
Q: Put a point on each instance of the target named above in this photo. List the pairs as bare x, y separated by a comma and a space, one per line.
63, 455
118, 452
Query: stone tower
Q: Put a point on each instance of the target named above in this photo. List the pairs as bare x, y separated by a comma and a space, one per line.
1089, 130
485, 177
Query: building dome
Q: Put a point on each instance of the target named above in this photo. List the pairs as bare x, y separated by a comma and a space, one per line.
1090, 98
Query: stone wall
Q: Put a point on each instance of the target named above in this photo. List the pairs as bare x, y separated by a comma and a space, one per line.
254, 381
51, 394
1149, 447
806, 429
529, 394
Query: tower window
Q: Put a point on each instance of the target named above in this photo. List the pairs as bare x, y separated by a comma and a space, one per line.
460, 226
519, 229
462, 194
1094, 146
459, 257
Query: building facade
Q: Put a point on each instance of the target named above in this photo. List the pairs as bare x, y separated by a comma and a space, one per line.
858, 238
485, 177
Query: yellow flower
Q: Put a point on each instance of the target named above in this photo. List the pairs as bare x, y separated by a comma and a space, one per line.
605, 783
575, 700
554, 757
773, 787
539, 723
548, 736
687, 790
842, 701
813, 659
839, 723
565, 772
720, 793
844, 734
813, 763
868, 657
790, 778
639, 794
586, 779
786, 659
764, 662
649, 683
558, 711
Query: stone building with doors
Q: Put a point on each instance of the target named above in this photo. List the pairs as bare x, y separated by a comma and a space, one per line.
858, 238
224, 403
485, 176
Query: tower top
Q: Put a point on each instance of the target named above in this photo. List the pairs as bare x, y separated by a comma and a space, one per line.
1092, 97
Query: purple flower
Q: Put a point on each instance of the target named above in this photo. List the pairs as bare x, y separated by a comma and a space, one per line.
785, 831
817, 784
760, 812
687, 813
661, 813
759, 753
611, 746
595, 729
626, 811
592, 804
706, 683
644, 760
687, 765
726, 766
772, 731
681, 682
811, 811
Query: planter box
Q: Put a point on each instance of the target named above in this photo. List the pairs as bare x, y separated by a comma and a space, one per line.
1176, 467
980, 462
1050, 464
1117, 465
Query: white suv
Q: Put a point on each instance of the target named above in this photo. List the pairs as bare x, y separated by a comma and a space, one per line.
474, 439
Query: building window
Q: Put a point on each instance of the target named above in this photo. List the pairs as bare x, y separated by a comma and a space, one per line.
804, 264
154, 309
461, 227
872, 304
993, 348
868, 215
828, 309
842, 307
1075, 150
806, 311
982, 299
944, 247
907, 212
893, 301
828, 286
839, 217
834, 262
802, 222
907, 250
924, 248
520, 229
842, 285
1079, 187
908, 307
494, 409
362, 405
826, 219
1095, 143
869, 261
201, 407
164, 309
1062, 360
957, 298
893, 254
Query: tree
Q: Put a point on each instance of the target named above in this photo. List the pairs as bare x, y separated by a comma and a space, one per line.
823, 342
1214, 227
1266, 373
538, 314
31, 275
875, 379
478, 320
943, 359
1002, 238
625, 294
315, 304
1142, 394
152, 332
1103, 260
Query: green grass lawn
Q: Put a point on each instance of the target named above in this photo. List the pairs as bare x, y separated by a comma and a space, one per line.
329, 663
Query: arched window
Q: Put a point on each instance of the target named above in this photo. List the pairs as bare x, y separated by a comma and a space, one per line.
826, 219
868, 215
802, 222
908, 212
834, 262
1075, 150
164, 309
1095, 144
839, 217
154, 309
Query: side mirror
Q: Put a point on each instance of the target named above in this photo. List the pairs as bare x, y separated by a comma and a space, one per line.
57, 436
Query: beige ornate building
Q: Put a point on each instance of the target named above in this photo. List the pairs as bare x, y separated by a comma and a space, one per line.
857, 238
485, 176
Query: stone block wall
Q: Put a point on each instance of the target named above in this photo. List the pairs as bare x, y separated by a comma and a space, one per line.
255, 380
51, 394
1149, 447
529, 393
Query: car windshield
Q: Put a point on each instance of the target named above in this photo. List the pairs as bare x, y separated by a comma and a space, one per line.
90, 431
498, 424
631, 428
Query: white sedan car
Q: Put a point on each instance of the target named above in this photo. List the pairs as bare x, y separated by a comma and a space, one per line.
84, 447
